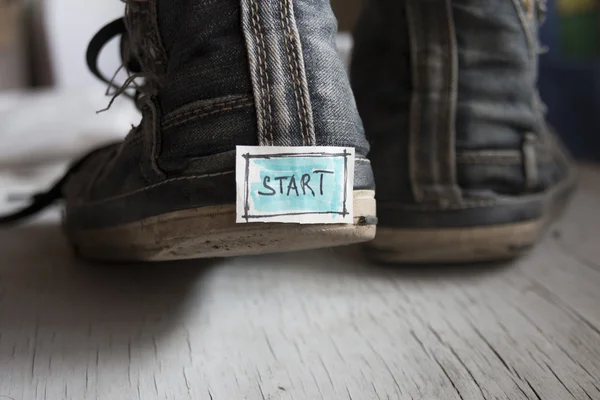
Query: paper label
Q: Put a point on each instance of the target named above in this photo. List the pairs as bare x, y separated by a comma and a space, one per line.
304, 185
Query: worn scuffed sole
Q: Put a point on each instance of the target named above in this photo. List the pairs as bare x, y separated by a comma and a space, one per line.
208, 232
458, 245
469, 244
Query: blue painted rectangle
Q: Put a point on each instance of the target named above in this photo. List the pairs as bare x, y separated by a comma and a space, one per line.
295, 184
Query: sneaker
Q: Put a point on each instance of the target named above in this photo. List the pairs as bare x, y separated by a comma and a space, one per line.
466, 168
217, 74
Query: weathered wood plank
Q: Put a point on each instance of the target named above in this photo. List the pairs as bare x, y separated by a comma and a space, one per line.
320, 325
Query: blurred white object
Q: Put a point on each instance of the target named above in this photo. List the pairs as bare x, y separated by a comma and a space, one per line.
68, 26
45, 127
42, 132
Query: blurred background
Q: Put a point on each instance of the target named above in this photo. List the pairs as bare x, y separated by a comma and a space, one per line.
43, 73
275, 322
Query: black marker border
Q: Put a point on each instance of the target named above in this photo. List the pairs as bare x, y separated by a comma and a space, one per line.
249, 157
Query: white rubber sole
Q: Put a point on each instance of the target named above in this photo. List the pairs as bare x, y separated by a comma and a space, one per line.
469, 244
457, 245
209, 232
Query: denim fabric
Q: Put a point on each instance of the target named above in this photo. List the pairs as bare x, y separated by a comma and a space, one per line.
223, 73
381, 79
206, 52
337, 122
264, 72
301, 88
447, 92
497, 55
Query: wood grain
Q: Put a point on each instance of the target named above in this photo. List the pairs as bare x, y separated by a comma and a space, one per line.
318, 325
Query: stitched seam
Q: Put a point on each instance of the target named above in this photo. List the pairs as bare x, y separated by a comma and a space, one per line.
497, 161
144, 141
526, 29
493, 159
477, 159
490, 162
285, 24
532, 46
175, 115
451, 106
299, 74
445, 115
190, 117
156, 33
156, 138
263, 70
415, 103
439, 141
263, 98
140, 164
464, 205
183, 178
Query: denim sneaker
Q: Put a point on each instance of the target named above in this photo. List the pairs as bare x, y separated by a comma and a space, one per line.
217, 74
466, 168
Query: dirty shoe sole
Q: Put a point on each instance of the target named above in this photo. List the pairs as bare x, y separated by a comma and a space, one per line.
470, 244
208, 232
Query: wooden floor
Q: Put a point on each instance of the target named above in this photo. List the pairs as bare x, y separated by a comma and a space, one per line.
318, 325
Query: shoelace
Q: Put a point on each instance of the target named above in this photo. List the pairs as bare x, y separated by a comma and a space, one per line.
42, 200
105, 35
129, 62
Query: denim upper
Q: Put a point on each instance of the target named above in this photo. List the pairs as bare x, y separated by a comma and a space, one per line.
447, 93
219, 74
256, 72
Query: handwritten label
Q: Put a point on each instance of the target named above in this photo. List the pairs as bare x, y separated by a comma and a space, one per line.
304, 185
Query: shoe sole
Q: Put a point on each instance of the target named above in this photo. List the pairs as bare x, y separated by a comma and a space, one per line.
472, 244
208, 232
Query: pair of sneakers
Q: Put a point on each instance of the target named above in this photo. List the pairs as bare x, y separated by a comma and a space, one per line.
466, 168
